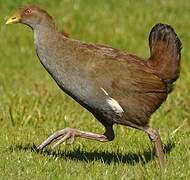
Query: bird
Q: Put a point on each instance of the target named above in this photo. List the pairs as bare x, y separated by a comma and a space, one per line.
116, 87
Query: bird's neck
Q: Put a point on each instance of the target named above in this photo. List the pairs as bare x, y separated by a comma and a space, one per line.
45, 34
51, 50
46, 39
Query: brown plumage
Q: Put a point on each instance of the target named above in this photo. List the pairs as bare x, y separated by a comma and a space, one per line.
115, 86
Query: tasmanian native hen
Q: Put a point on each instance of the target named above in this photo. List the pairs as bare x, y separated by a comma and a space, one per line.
115, 86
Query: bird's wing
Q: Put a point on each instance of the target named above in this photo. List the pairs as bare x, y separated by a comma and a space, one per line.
128, 80
123, 73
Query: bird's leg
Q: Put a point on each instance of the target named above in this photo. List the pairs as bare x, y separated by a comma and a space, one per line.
155, 138
67, 133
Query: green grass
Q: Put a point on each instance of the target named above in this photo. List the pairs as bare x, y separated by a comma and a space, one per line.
32, 106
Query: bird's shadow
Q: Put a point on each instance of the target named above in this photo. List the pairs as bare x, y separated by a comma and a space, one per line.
98, 155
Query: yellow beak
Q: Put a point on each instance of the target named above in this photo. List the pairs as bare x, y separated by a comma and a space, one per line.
14, 19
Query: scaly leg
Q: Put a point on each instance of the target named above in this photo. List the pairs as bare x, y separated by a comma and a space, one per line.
155, 138
67, 133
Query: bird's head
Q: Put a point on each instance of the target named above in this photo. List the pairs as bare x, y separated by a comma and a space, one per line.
31, 15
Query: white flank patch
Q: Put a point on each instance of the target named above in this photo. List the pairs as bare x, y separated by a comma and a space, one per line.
104, 92
113, 104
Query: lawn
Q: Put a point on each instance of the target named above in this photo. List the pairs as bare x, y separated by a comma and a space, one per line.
32, 107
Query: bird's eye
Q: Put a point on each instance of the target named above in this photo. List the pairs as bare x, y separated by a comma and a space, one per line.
27, 11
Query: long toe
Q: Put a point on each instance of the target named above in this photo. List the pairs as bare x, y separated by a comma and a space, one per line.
68, 135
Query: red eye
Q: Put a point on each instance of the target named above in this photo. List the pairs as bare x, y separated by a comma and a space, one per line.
27, 11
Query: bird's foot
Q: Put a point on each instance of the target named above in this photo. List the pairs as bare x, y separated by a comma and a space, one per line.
71, 133
61, 135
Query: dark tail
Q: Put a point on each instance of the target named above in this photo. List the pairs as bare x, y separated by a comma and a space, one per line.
165, 48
